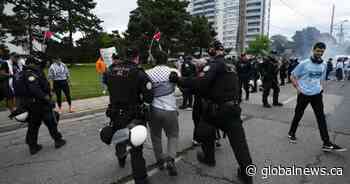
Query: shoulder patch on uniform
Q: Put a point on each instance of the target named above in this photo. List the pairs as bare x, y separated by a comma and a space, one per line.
149, 85
206, 68
31, 78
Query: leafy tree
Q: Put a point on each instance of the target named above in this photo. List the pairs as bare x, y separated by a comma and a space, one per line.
259, 46
202, 33
280, 43
3, 18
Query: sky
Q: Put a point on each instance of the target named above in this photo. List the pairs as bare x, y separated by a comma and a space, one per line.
287, 16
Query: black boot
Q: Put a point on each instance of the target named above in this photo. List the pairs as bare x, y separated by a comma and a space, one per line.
170, 165
277, 104
59, 143
34, 149
266, 105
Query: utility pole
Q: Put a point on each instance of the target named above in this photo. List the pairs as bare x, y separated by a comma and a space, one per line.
341, 34
241, 26
332, 21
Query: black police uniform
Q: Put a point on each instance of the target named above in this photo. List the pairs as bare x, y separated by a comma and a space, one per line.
188, 69
218, 87
129, 87
255, 75
269, 73
40, 107
244, 70
283, 72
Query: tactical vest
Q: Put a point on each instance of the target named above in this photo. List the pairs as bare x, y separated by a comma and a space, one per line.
226, 86
123, 84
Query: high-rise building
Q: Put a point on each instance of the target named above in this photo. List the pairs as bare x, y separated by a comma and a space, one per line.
224, 14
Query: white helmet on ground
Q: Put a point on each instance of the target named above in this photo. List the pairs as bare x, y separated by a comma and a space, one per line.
21, 117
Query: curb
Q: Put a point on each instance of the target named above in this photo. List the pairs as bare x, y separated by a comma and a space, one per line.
14, 125
11, 125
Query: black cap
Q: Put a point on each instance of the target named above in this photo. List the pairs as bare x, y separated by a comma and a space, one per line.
217, 45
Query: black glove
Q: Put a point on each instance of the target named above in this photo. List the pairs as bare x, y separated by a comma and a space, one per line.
173, 77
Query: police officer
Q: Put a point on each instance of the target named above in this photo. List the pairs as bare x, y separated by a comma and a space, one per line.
39, 105
269, 73
244, 70
283, 71
218, 87
255, 74
129, 87
188, 69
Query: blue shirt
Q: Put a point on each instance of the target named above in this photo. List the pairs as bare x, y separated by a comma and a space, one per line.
309, 76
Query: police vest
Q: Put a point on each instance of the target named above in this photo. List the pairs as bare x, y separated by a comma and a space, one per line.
226, 86
123, 84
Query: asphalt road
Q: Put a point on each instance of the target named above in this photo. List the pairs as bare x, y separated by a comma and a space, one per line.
85, 159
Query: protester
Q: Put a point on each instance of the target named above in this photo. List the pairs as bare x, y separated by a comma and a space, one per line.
164, 115
4, 75
307, 78
101, 69
15, 65
59, 74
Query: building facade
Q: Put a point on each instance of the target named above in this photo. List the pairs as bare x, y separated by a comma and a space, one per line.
224, 14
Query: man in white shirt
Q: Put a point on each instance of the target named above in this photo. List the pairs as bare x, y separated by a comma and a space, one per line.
164, 113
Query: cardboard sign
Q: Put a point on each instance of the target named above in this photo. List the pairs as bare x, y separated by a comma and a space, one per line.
107, 53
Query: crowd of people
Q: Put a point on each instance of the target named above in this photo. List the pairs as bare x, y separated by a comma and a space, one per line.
212, 88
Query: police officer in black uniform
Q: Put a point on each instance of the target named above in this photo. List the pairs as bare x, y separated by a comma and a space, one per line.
188, 69
129, 88
39, 104
219, 89
269, 74
255, 74
244, 70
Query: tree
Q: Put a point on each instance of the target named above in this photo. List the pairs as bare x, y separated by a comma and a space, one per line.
304, 40
3, 18
279, 43
202, 33
32, 17
167, 16
259, 46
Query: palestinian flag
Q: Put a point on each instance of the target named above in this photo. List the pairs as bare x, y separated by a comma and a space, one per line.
53, 36
157, 36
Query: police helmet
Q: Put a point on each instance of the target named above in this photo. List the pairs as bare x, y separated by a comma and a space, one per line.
138, 135
19, 115
106, 134
217, 45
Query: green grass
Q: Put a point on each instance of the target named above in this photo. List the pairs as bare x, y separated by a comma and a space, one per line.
85, 82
